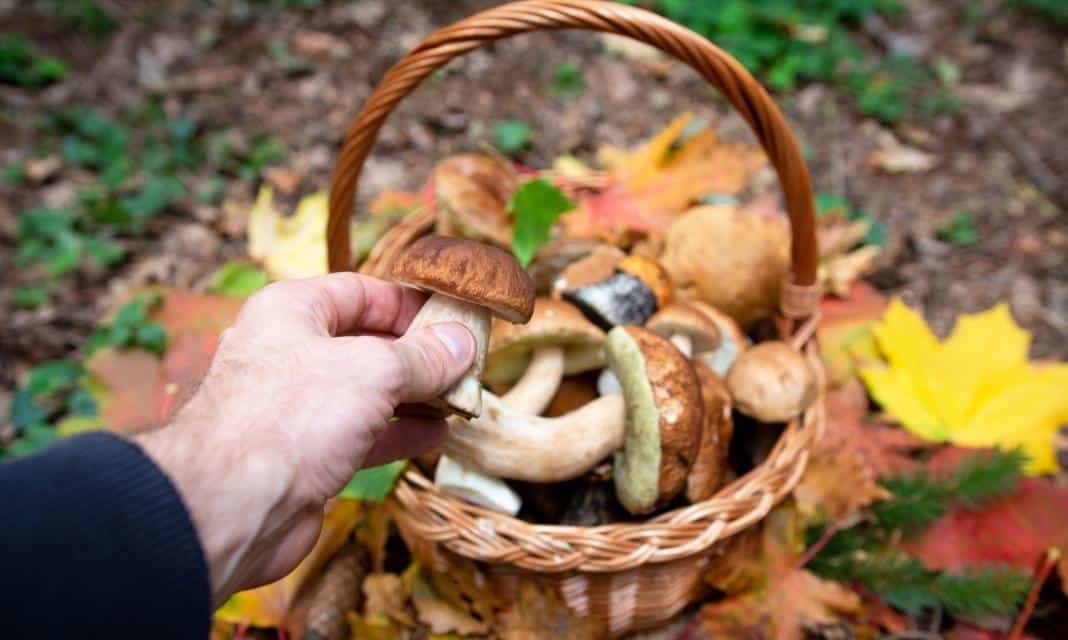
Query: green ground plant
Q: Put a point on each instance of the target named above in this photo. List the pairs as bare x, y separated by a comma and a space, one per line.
22, 65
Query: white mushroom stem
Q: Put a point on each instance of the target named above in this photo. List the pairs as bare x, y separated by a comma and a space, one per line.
683, 343
509, 444
535, 390
608, 383
465, 397
469, 485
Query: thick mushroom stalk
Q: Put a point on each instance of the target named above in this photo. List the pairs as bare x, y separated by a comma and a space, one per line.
506, 443
683, 343
466, 395
535, 390
469, 485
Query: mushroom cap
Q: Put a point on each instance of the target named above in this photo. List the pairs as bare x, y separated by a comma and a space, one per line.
599, 264
772, 383
664, 417
554, 322
680, 317
706, 475
733, 341
470, 271
474, 190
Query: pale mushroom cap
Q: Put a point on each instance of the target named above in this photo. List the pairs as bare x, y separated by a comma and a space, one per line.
664, 417
772, 383
470, 271
707, 472
682, 318
553, 322
733, 341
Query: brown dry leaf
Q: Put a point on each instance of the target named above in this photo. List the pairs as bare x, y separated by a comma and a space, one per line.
786, 599
437, 614
653, 185
384, 598
463, 585
842, 262
537, 611
894, 157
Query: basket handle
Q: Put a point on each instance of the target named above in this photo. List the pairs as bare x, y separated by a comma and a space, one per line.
718, 67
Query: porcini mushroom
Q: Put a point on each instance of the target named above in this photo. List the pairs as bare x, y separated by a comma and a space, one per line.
664, 417
557, 341
688, 329
707, 472
732, 343
507, 443
468, 282
473, 191
771, 382
477, 488
599, 264
635, 291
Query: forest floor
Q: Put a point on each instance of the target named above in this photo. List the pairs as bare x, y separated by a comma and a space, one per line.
277, 88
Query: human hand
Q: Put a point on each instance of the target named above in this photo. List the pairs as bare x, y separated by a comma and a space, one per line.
302, 392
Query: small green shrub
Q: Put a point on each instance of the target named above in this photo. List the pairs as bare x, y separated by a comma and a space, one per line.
22, 65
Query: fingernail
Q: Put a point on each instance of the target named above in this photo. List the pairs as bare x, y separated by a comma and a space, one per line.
456, 338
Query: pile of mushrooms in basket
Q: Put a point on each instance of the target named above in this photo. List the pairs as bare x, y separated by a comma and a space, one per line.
613, 380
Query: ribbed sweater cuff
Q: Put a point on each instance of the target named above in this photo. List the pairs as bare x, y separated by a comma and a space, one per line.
103, 536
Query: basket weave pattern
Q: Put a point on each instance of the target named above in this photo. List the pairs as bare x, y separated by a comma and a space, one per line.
632, 575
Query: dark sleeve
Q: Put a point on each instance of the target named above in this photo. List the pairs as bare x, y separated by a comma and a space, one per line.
95, 542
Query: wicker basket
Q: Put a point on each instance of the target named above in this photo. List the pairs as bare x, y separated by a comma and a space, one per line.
630, 575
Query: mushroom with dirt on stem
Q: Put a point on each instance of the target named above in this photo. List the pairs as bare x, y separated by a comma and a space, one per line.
468, 281
772, 383
637, 288
664, 417
557, 341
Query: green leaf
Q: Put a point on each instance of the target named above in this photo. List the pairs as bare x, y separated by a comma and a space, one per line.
238, 279
33, 438
512, 136
29, 296
53, 376
154, 196
567, 81
152, 336
373, 483
536, 207
960, 231
24, 411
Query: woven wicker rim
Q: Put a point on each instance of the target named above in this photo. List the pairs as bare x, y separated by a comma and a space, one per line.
492, 537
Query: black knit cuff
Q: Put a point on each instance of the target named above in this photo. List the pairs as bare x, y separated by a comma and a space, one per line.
98, 542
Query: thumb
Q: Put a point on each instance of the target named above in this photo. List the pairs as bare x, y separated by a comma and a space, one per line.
433, 358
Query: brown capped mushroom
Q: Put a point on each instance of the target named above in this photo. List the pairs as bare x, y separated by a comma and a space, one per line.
468, 282
664, 417
706, 475
772, 383
733, 341
557, 341
690, 330
472, 191
599, 264
637, 288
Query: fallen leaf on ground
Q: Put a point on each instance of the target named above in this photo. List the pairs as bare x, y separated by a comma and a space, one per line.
653, 185
974, 389
134, 389
385, 598
1016, 529
845, 331
537, 611
289, 247
269, 605
895, 157
441, 616
785, 600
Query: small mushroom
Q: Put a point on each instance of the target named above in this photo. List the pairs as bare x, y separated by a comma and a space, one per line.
469, 485
733, 341
473, 191
772, 383
512, 444
664, 417
468, 282
634, 292
706, 475
557, 341
688, 329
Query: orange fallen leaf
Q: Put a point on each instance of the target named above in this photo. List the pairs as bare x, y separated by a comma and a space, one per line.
845, 332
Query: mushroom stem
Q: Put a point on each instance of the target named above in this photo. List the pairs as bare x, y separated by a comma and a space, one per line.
534, 391
506, 443
683, 343
465, 397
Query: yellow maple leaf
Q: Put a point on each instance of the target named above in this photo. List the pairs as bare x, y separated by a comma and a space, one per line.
976, 388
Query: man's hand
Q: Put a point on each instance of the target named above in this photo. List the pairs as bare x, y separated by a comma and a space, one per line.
309, 385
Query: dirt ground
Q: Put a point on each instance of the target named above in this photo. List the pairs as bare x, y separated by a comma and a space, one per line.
1002, 158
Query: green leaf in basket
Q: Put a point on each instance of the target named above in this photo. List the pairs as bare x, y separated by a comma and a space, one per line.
373, 483
536, 207
512, 136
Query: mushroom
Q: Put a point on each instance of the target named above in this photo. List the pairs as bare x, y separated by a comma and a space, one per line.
688, 329
733, 341
599, 264
468, 282
469, 485
635, 290
473, 192
706, 475
512, 444
557, 341
771, 382
664, 417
